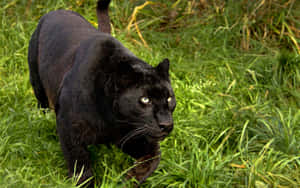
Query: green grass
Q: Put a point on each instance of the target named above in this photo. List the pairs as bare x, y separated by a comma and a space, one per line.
237, 122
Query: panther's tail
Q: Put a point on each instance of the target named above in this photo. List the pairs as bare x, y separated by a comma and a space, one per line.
103, 17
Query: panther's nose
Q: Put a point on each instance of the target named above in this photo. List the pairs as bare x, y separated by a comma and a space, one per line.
166, 126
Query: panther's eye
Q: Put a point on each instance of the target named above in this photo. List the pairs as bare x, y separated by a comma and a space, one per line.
169, 99
145, 100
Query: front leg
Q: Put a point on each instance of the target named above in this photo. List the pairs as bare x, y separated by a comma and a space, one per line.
79, 158
144, 166
74, 147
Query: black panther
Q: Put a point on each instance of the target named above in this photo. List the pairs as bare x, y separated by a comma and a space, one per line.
100, 91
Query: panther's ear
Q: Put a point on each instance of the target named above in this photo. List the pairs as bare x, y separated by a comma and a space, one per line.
163, 68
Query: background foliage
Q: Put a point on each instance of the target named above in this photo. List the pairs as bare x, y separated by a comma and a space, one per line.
235, 69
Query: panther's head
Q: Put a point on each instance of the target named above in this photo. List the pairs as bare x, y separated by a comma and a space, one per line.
145, 100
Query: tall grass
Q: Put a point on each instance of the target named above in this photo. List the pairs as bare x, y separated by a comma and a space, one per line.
237, 122
274, 22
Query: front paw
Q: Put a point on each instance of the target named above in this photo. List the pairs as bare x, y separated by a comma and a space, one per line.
143, 168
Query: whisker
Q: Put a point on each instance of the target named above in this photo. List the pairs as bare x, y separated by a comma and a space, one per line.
133, 132
150, 128
128, 122
131, 135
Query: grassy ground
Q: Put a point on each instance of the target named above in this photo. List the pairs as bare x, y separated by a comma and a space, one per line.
237, 123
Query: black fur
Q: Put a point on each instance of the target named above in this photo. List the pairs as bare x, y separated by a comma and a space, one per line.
103, 16
102, 5
100, 91
33, 68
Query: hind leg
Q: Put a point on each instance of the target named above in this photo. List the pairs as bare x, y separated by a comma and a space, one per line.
35, 80
39, 92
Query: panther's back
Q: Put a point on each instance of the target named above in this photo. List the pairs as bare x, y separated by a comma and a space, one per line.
52, 48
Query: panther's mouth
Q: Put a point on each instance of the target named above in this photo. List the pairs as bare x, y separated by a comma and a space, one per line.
150, 133
156, 134
158, 137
